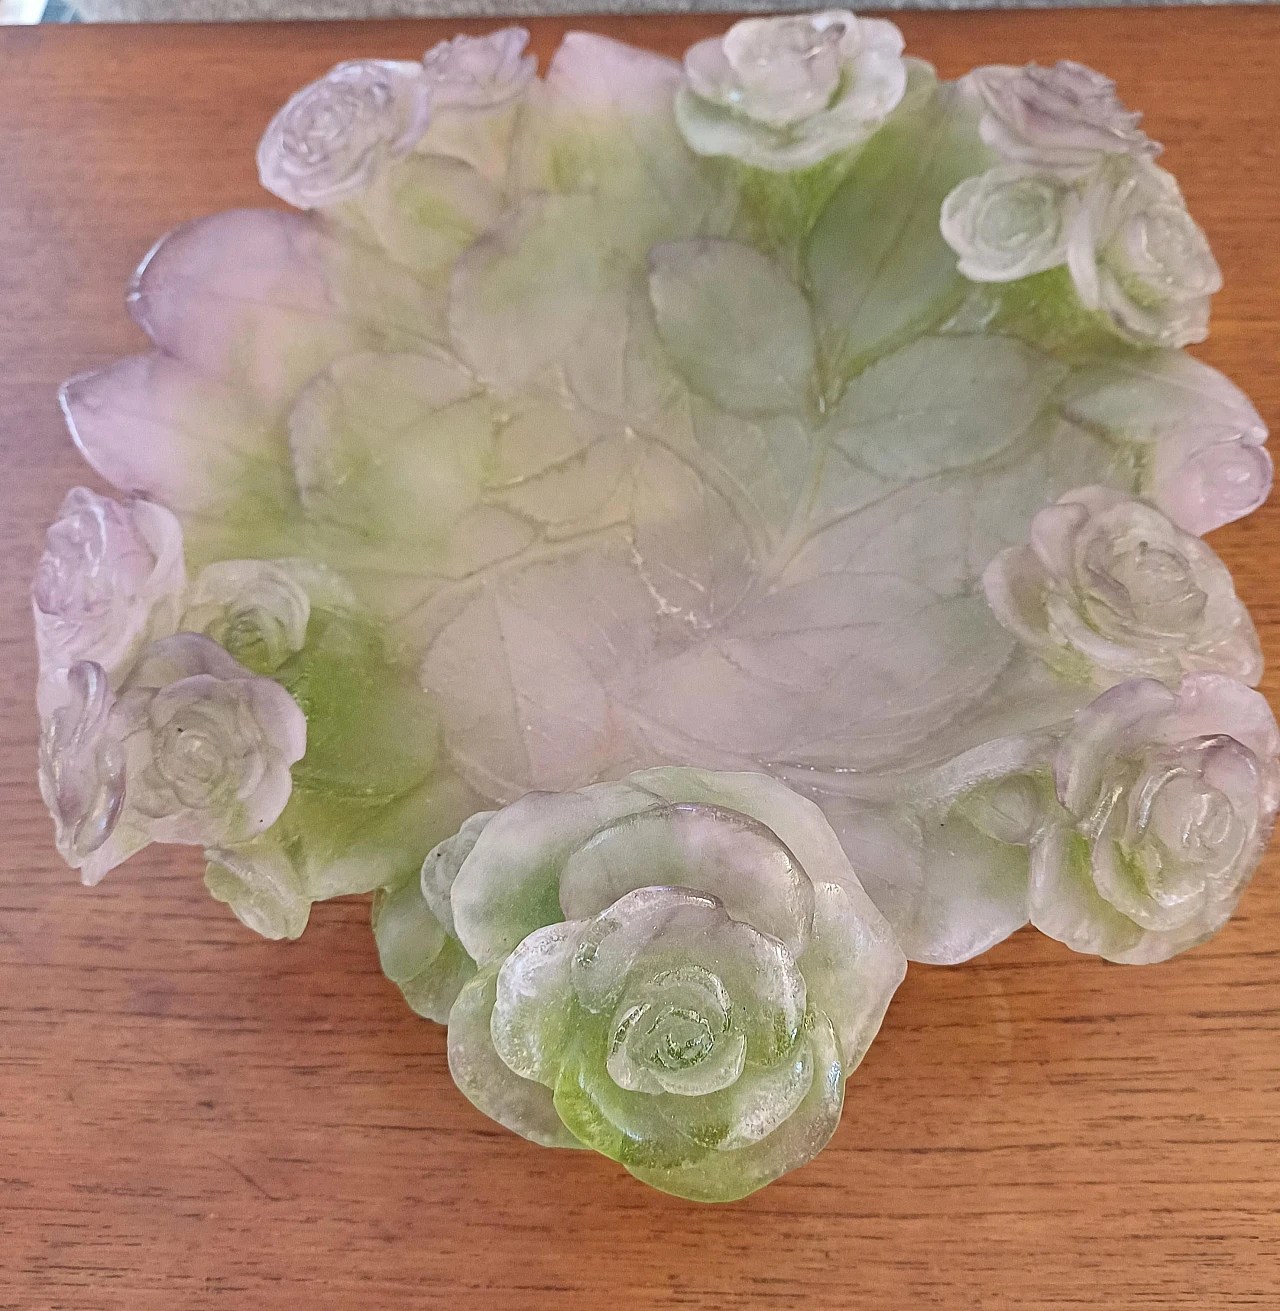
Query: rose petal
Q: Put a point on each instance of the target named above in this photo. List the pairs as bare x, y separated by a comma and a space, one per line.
521, 1105
852, 967
1211, 703
262, 887
650, 916
797, 822
509, 885
532, 1012
706, 848
441, 866
1066, 905
1054, 532
182, 656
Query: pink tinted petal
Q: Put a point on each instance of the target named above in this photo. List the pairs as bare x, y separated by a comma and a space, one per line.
185, 655
478, 73
267, 801
1082, 259
202, 283
708, 69
1210, 703
1233, 647
160, 529
879, 74
1203, 478
1054, 533
280, 718
594, 74
150, 424
268, 299
1016, 585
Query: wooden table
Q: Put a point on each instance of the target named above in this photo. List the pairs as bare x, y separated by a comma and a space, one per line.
191, 1117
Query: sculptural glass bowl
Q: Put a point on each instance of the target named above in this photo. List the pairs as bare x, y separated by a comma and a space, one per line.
689, 539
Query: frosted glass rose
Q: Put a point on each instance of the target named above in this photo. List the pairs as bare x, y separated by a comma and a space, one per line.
1008, 223
1108, 588
110, 579
679, 970
333, 137
253, 608
784, 93
479, 72
1138, 256
1066, 119
208, 744
1168, 797
195, 749
82, 769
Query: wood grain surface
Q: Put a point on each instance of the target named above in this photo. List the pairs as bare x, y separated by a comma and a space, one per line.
191, 1117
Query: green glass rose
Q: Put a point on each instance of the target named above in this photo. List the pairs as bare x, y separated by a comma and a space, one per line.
1167, 799
679, 970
